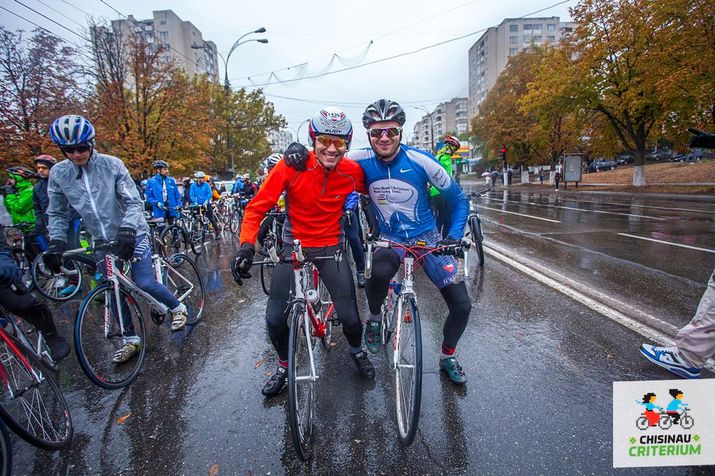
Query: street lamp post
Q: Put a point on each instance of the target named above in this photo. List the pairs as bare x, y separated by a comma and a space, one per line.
431, 124
227, 85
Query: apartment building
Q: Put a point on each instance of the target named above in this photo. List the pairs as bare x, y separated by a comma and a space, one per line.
280, 140
182, 43
489, 55
447, 117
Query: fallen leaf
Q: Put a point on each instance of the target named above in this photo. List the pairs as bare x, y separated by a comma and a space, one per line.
259, 363
122, 419
357, 441
214, 470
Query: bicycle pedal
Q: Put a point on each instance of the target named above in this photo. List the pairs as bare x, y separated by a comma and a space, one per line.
157, 317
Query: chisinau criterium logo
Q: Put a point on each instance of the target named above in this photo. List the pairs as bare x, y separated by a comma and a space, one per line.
663, 423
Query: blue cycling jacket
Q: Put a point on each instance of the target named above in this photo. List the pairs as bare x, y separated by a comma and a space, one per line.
200, 194
154, 194
400, 193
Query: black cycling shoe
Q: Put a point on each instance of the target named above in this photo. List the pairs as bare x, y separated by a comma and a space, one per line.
276, 383
59, 347
360, 279
363, 364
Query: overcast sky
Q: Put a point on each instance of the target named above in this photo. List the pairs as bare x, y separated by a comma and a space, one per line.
309, 33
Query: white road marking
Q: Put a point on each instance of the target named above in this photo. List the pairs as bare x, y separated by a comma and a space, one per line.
520, 214
707, 250
646, 331
578, 209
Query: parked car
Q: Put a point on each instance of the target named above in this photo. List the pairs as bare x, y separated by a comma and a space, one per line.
601, 165
625, 158
663, 154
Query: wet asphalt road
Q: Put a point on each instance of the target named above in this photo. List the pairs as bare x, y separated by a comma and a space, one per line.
538, 401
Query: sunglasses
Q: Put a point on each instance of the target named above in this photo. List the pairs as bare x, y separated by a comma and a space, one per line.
338, 142
71, 149
389, 131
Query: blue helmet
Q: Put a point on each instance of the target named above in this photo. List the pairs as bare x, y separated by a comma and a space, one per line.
72, 130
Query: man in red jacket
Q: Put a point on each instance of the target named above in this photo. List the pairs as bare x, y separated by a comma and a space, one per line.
315, 196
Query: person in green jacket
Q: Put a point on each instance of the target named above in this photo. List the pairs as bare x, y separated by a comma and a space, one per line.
18, 202
440, 207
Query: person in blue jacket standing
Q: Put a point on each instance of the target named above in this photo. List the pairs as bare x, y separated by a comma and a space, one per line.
162, 193
200, 193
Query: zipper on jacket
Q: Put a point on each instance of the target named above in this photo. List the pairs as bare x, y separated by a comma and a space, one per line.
94, 206
389, 184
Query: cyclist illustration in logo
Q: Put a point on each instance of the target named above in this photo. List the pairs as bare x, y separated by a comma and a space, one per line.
676, 412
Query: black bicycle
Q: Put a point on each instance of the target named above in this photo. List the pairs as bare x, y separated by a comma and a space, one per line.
474, 225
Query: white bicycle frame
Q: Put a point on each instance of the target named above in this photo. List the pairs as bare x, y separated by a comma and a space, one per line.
300, 278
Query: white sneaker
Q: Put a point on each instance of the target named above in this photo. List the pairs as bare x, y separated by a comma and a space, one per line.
126, 352
179, 317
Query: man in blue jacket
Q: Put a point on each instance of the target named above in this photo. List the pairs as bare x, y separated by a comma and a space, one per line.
200, 193
162, 193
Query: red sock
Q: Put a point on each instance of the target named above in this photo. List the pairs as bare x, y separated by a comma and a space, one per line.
448, 350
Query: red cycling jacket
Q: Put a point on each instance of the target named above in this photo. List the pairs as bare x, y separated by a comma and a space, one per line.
314, 201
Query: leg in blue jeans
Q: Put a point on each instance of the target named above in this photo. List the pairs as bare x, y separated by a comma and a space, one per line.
143, 275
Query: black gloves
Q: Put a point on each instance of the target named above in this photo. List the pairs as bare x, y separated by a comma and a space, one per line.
242, 263
449, 242
53, 257
296, 156
126, 241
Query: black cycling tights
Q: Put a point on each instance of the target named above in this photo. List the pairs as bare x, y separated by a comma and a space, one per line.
386, 263
336, 276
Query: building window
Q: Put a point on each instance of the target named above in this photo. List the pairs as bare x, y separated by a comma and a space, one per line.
513, 40
163, 35
537, 39
536, 26
513, 27
527, 26
162, 22
550, 27
513, 51
551, 39
527, 39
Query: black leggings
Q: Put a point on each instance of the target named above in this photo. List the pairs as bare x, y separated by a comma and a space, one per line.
29, 308
386, 263
336, 276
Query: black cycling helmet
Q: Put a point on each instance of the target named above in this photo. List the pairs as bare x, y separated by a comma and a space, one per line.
160, 164
383, 110
22, 171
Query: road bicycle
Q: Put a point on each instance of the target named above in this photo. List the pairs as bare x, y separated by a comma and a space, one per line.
310, 318
31, 403
187, 232
236, 216
473, 230
401, 323
102, 326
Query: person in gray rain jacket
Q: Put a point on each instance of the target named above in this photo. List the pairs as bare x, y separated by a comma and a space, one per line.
100, 188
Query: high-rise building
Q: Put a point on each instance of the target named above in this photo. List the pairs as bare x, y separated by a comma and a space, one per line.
181, 43
447, 117
280, 140
489, 55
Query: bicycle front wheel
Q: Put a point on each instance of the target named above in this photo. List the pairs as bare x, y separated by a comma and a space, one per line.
58, 287
475, 227
182, 278
301, 382
234, 223
97, 337
267, 276
407, 369
31, 403
173, 240
197, 237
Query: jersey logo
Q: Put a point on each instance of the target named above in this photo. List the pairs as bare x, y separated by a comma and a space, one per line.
403, 171
449, 268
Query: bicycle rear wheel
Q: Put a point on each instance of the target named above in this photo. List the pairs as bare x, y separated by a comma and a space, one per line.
58, 287
301, 382
97, 337
197, 237
184, 281
475, 227
267, 276
234, 223
31, 403
407, 369
5, 451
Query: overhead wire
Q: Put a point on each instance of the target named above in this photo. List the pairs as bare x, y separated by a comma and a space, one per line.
400, 55
51, 20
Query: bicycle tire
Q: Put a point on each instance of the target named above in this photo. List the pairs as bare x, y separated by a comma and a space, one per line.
325, 302
26, 268
408, 374
173, 240
686, 422
96, 338
235, 222
197, 237
5, 450
267, 276
475, 227
185, 269
50, 285
301, 393
31, 403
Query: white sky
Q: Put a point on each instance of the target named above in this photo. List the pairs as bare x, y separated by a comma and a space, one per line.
311, 31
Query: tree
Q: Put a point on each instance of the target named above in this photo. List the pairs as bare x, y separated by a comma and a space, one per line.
37, 85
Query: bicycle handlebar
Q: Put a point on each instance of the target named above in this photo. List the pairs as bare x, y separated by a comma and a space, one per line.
454, 250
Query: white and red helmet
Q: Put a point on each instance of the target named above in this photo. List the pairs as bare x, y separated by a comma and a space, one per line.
330, 121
